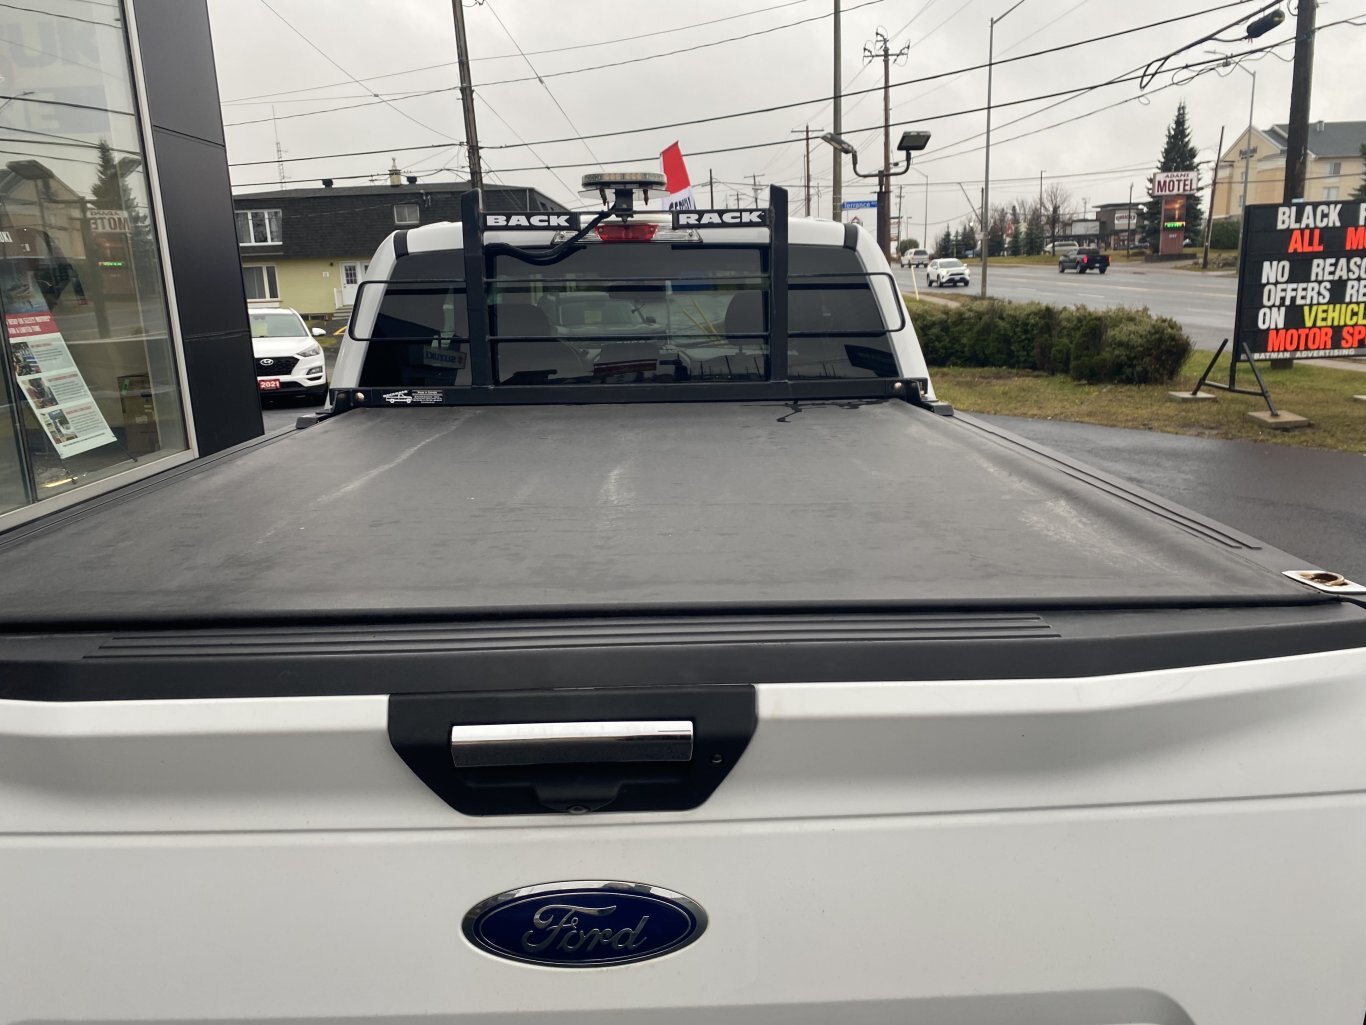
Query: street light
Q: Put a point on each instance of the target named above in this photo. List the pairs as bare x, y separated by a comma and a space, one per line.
986, 174
910, 142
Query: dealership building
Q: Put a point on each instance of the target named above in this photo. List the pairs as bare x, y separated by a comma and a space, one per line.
124, 322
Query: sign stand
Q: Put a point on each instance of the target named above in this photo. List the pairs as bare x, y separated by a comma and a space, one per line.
1239, 352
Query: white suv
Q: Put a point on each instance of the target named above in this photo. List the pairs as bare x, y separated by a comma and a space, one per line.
948, 271
289, 360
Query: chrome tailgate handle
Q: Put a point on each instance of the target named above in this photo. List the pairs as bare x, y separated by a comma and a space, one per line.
563, 743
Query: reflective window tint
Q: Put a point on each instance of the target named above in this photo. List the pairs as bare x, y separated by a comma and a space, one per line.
92, 387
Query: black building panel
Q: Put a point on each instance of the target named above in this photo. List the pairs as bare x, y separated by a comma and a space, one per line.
192, 174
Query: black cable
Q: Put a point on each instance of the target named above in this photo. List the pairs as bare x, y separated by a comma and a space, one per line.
509, 56
553, 99
781, 106
537, 77
725, 149
319, 51
782, 142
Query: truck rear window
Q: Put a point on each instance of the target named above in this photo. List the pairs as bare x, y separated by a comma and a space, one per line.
622, 314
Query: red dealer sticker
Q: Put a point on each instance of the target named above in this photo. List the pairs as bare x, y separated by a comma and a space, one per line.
1302, 281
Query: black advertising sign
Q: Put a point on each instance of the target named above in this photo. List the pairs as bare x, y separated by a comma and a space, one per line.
1302, 281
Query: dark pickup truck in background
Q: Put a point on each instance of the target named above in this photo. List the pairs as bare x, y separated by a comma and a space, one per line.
1082, 260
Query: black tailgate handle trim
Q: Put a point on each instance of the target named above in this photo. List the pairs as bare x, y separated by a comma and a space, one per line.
574, 751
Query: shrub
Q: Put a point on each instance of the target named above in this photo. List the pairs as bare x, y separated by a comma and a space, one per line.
1223, 234
1118, 345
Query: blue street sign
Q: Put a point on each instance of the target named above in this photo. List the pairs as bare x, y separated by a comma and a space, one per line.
859, 204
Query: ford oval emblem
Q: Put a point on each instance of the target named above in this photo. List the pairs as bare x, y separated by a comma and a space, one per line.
584, 924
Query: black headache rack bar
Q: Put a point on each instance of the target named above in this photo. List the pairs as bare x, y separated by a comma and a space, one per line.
477, 258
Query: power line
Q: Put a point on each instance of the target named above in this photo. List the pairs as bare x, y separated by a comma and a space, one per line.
895, 85
743, 147
685, 49
488, 4
956, 73
484, 100
732, 149
318, 50
529, 53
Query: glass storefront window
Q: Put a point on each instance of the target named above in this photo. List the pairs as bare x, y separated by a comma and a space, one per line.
92, 387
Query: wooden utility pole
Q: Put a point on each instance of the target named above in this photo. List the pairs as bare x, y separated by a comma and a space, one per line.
711, 188
1213, 185
462, 54
1297, 134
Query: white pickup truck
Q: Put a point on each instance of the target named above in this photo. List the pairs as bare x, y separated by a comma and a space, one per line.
689, 662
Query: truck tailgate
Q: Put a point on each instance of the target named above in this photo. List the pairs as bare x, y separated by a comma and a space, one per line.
1181, 845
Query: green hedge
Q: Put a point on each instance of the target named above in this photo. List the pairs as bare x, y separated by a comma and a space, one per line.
1118, 345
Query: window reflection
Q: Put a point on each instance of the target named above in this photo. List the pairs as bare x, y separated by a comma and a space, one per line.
92, 388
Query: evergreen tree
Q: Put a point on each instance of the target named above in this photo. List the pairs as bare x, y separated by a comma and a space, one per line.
944, 247
1360, 194
1034, 231
967, 238
112, 192
1178, 154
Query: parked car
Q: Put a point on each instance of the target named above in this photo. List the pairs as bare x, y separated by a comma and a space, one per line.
915, 258
1082, 260
1061, 246
948, 271
289, 360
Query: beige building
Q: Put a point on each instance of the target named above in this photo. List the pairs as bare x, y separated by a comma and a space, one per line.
1334, 172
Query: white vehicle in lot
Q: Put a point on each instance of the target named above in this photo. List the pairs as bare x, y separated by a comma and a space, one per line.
1061, 247
289, 361
947, 271
915, 258
715, 672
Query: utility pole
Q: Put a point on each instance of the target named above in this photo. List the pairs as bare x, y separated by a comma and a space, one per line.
1213, 185
806, 163
986, 174
711, 188
880, 49
462, 54
900, 228
1040, 190
754, 178
836, 192
1297, 135
1249, 148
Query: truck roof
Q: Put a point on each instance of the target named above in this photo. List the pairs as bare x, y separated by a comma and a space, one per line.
623, 506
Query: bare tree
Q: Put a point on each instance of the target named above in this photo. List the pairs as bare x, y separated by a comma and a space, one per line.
1057, 208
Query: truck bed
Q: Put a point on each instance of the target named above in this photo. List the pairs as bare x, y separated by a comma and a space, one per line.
555, 507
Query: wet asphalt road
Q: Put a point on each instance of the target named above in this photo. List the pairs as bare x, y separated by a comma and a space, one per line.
1307, 502
1201, 303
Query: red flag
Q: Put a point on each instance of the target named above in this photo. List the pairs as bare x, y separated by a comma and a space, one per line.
675, 171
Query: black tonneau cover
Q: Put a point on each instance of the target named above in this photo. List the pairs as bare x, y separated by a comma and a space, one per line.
674, 506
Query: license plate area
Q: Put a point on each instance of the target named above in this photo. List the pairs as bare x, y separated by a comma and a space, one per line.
268, 383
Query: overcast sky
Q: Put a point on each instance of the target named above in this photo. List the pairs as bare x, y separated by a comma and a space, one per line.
411, 42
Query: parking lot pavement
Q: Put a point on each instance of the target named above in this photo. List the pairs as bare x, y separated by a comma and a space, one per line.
1307, 502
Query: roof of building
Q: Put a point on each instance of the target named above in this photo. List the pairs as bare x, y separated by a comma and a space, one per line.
350, 222
1327, 138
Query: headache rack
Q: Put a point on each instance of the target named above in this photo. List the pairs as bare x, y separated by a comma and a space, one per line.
773, 382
